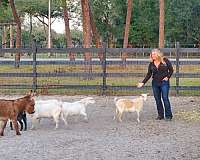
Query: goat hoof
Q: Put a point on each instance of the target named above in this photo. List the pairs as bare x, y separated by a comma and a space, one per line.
18, 134
86, 120
32, 128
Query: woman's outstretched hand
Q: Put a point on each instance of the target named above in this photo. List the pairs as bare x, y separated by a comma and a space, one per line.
139, 85
166, 78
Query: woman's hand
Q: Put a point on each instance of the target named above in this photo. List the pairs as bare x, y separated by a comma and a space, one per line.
166, 79
139, 85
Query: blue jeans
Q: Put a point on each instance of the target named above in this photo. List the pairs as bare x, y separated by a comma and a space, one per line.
161, 90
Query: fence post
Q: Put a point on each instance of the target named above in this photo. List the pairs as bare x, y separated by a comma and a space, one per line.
177, 67
104, 71
34, 48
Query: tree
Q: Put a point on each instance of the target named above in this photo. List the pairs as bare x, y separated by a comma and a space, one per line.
109, 17
4, 36
144, 29
182, 22
96, 34
29, 8
5, 12
127, 26
195, 25
39, 10
6, 18
86, 27
86, 34
18, 34
161, 24
67, 30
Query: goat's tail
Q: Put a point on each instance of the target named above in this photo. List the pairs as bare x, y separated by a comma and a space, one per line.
87, 99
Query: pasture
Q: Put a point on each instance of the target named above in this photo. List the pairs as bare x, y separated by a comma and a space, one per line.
104, 139
48, 84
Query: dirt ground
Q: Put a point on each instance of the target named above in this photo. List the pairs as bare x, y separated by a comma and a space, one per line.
102, 138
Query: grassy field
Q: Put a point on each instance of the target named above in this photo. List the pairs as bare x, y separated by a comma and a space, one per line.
111, 81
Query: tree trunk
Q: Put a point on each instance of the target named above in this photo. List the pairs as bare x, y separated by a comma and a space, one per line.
11, 37
86, 27
18, 30
4, 37
111, 41
161, 25
49, 29
67, 30
96, 35
30, 31
127, 26
86, 35
3, 42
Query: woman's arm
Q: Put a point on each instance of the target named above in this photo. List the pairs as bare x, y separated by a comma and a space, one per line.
148, 75
170, 67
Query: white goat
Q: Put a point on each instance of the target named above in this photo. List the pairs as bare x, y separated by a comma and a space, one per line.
129, 105
76, 108
47, 109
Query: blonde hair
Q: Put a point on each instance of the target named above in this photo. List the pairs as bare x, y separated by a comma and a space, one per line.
159, 55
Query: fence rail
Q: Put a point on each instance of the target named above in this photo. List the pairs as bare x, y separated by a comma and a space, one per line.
96, 50
105, 62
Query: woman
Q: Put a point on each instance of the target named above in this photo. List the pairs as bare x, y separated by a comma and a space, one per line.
160, 68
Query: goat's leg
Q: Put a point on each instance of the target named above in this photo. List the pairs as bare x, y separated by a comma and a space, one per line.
116, 113
77, 118
38, 121
11, 126
25, 122
85, 115
120, 116
3, 125
21, 125
56, 119
34, 119
14, 121
138, 116
64, 118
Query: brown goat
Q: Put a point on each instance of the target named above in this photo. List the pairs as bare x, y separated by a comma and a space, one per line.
9, 109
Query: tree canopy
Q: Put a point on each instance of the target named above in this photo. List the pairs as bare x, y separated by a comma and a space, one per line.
182, 20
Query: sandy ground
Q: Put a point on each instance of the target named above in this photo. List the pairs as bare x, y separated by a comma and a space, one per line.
104, 139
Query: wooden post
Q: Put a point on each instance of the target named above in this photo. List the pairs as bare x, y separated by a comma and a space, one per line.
177, 67
34, 48
104, 71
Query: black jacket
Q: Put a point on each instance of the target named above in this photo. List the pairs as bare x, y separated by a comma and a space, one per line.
163, 70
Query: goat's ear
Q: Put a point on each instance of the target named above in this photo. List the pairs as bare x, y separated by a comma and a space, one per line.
36, 93
31, 93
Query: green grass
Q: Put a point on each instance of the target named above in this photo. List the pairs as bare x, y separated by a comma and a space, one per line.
113, 81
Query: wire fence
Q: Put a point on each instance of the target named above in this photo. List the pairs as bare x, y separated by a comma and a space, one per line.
109, 75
